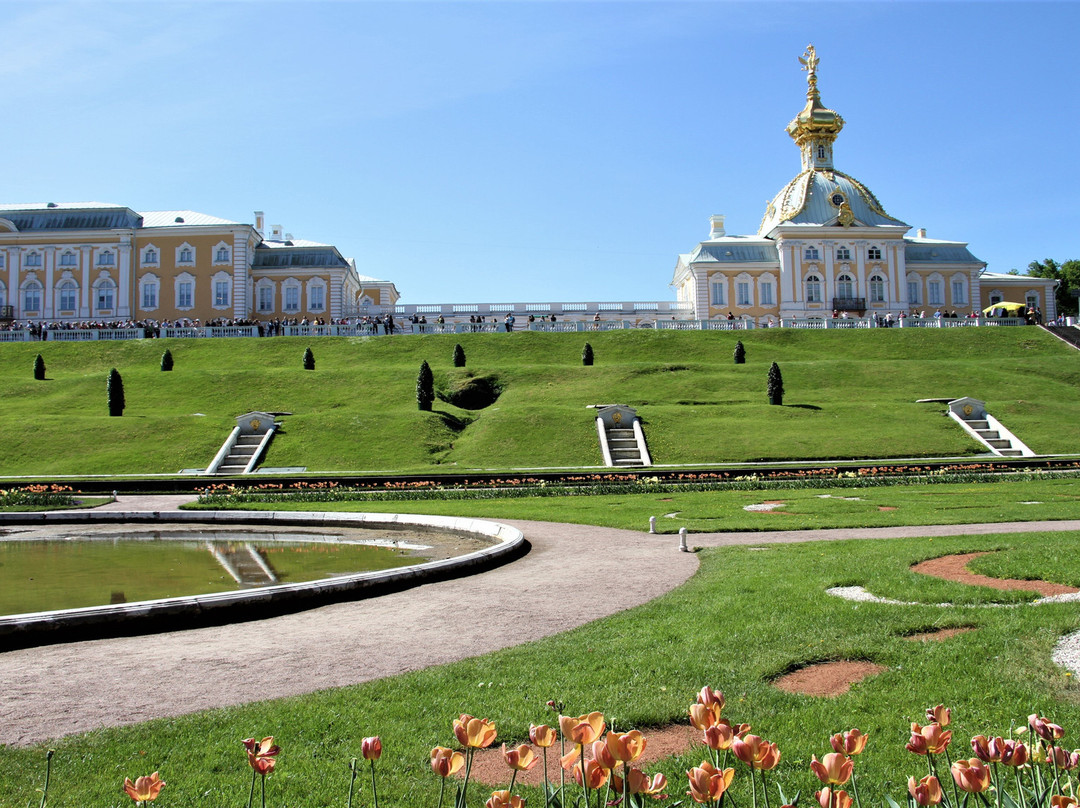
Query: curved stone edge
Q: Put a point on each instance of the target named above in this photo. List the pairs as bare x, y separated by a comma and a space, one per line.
858, 594
188, 611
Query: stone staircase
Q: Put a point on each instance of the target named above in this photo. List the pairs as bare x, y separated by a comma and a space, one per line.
1066, 333
971, 414
239, 457
245, 445
992, 438
244, 563
622, 440
623, 447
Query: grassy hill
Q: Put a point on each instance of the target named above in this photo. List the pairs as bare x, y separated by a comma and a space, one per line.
849, 395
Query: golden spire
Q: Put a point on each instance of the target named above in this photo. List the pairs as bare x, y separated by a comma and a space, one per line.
809, 62
816, 127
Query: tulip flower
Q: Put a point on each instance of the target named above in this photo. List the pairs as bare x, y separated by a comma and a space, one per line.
939, 715
445, 762
851, 742
542, 735
640, 783
520, 758
262, 756
971, 775
703, 716
595, 775
504, 799
1042, 727
833, 770
707, 783
756, 752
582, 729
602, 755
988, 750
926, 791
626, 746
719, 737
144, 789
710, 697
827, 798
928, 740
371, 748
1064, 760
474, 733
1014, 753
1059, 801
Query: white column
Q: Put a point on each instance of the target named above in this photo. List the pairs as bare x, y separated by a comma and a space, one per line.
85, 291
788, 286
47, 299
899, 260
123, 283
14, 261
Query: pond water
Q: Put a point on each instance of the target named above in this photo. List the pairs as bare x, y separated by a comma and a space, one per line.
69, 566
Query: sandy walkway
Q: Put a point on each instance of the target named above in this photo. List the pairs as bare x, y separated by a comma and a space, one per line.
57, 690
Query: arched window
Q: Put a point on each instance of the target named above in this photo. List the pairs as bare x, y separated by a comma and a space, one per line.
845, 287
813, 289
821, 152
105, 295
150, 256
811, 254
222, 255
68, 259
68, 296
106, 259
31, 296
149, 292
877, 289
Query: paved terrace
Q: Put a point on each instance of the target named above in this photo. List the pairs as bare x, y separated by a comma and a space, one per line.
57, 690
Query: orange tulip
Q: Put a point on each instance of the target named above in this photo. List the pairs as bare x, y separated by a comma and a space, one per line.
570, 758
602, 755
710, 697
595, 774
719, 737
928, 740
833, 770
1058, 801
640, 783
827, 798
1064, 760
707, 783
144, 789
542, 735
756, 752
262, 755
703, 716
988, 750
475, 733
626, 746
1042, 727
504, 799
1014, 753
445, 762
971, 775
939, 715
582, 729
521, 758
852, 742
371, 748
926, 791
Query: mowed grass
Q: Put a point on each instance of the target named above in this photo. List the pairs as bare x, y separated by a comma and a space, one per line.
849, 395
748, 616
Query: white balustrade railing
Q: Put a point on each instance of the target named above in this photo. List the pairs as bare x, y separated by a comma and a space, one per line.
89, 334
21, 335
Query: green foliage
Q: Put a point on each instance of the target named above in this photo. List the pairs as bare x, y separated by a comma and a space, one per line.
309, 359
39, 368
459, 356
587, 355
167, 360
776, 385
1069, 275
739, 354
115, 389
425, 387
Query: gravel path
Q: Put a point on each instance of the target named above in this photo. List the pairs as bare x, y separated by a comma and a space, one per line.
57, 690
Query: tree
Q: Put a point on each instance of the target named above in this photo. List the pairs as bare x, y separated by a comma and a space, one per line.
776, 385
459, 356
1067, 273
587, 354
39, 368
309, 359
166, 360
740, 353
116, 394
425, 387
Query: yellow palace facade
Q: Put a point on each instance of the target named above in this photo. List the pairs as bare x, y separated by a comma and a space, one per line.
95, 262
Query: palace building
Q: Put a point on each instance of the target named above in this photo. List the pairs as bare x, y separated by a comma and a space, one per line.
99, 262
826, 244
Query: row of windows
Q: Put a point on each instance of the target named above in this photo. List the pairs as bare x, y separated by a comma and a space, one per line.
107, 258
842, 254
744, 295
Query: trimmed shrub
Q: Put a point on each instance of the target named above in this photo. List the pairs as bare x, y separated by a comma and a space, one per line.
587, 354
776, 385
309, 359
39, 368
116, 394
740, 353
459, 356
425, 387
166, 360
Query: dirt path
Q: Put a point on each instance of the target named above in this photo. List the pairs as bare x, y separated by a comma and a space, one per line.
62, 689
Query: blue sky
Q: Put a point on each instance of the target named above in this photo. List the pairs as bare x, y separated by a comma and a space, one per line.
534, 151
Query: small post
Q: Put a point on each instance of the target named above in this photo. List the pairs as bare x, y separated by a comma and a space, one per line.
652, 524
114, 496
682, 540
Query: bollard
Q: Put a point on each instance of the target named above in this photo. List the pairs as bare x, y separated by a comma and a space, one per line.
114, 496
682, 540
652, 524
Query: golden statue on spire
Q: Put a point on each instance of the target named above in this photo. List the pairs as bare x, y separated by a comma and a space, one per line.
809, 62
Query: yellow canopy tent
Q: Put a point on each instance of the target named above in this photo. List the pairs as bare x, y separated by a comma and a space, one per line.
1012, 308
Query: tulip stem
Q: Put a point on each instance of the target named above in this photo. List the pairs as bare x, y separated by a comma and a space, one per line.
764, 788
442, 790
374, 792
997, 785
264, 791
547, 785
469, 751
48, 770
251, 793
855, 791
955, 793
352, 781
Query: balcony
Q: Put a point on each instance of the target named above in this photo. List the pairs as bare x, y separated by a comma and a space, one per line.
849, 304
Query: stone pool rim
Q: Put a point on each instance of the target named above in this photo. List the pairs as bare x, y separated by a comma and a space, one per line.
194, 611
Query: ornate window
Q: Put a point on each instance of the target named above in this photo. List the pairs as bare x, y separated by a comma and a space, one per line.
813, 289
222, 255
1032, 300
742, 294
32, 259
149, 291
766, 290
716, 294
316, 295
914, 290
291, 293
843, 253
104, 294
222, 290
31, 296
811, 254
845, 287
266, 296
68, 259
150, 256
877, 289
874, 254
67, 294
106, 259
184, 289
933, 293
821, 152
185, 254
959, 290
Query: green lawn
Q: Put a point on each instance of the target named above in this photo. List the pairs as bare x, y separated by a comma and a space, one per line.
849, 395
748, 616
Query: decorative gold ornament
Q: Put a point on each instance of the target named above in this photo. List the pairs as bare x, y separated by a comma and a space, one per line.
968, 409
846, 218
616, 418
255, 424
